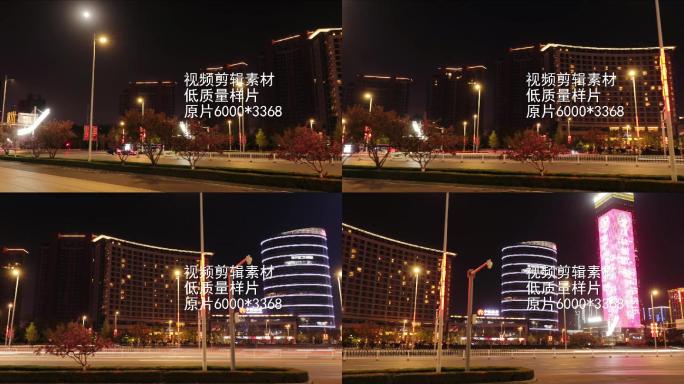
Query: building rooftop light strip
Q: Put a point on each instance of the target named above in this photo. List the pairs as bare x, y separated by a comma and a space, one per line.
292, 246
236, 64
395, 240
296, 285
526, 292
284, 39
291, 255
68, 236
529, 255
528, 310
544, 329
525, 282
301, 265
106, 237
296, 274
554, 45
476, 67
308, 305
322, 30
300, 294
522, 48
306, 231
15, 250
294, 235
316, 326
527, 246
528, 264
312, 315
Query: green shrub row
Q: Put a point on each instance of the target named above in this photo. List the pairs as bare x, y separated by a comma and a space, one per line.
250, 177
571, 182
156, 375
429, 376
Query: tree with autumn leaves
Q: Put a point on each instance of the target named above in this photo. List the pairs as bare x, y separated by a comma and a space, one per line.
424, 148
306, 146
531, 148
73, 341
194, 143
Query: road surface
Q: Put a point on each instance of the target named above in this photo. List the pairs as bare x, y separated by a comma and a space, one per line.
386, 185
324, 365
26, 177
666, 368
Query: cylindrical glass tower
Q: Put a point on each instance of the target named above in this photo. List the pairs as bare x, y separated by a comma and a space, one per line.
529, 287
301, 277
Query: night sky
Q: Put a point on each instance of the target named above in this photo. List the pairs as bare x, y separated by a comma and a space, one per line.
47, 47
481, 224
235, 224
412, 38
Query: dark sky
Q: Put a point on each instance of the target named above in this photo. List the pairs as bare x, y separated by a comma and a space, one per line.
47, 47
481, 224
235, 224
412, 38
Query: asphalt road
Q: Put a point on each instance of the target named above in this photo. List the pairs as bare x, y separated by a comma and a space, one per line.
324, 365
601, 369
380, 185
24, 177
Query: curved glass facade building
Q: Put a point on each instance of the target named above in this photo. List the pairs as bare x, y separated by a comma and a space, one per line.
301, 277
529, 287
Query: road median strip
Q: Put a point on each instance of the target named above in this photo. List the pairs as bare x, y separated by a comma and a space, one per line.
239, 176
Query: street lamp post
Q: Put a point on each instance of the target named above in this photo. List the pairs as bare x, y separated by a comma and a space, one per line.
667, 112
311, 124
116, 318
141, 101
416, 271
344, 129
230, 134
632, 75
7, 327
469, 328
177, 273
369, 96
231, 311
538, 126
474, 129
102, 40
15, 273
442, 286
4, 95
569, 134
465, 125
478, 87
564, 284
339, 288
203, 277
654, 292
83, 319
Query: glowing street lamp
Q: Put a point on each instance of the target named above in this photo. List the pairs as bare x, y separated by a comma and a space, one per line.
478, 88
102, 39
474, 133
654, 292
416, 271
369, 97
83, 319
15, 273
469, 328
116, 318
230, 134
569, 134
538, 126
344, 128
632, 75
465, 125
311, 123
141, 101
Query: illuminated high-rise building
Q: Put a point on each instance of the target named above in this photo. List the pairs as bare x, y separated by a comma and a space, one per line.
301, 277
676, 298
618, 254
529, 287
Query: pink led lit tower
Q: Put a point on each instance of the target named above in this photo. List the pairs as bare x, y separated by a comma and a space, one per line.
619, 282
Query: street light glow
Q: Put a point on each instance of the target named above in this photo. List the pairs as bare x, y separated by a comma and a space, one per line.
15, 272
477, 86
416, 270
103, 39
367, 95
140, 100
654, 292
632, 73
86, 14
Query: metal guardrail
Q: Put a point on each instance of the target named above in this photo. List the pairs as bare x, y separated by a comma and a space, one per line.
502, 157
377, 354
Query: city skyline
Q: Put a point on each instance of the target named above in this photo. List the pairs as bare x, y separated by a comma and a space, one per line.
570, 223
189, 39
435, 40
176, 227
